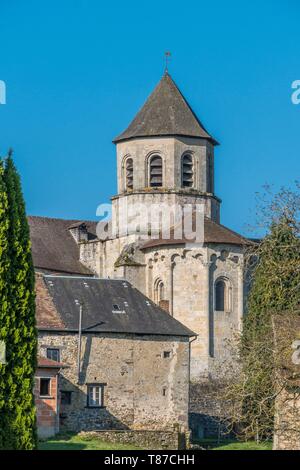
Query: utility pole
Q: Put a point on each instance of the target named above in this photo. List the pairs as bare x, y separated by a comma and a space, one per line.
77, 302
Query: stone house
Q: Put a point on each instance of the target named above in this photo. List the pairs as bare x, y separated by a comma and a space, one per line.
125, 367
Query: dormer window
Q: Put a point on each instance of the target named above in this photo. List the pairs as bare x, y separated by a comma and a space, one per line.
129, 173
187, 171
155, 172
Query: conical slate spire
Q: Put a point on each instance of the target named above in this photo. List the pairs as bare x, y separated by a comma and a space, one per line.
165, 113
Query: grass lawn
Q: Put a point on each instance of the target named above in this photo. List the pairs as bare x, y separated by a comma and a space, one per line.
251, 445
75, 442
230, 444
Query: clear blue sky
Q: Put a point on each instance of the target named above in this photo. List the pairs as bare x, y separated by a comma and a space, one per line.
77, 72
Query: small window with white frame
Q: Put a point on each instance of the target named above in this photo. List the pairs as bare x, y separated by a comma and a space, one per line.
95, 395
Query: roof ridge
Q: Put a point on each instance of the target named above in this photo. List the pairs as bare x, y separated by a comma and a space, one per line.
60, 218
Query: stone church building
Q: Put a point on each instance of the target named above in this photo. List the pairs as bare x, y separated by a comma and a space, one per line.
165, 156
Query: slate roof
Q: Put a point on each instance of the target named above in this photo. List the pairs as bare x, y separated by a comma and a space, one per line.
53, 247
213, 233
165, 113
100, 298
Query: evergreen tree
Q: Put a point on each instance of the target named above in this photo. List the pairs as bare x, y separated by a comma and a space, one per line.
21, 336
4, 311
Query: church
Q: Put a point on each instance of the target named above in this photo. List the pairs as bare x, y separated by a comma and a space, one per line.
164, 157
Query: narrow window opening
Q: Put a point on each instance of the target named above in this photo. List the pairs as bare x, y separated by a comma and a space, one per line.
156, 179
45, 387
223, 294
187, 171
129, 173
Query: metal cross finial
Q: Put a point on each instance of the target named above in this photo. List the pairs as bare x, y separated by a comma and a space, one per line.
167, 55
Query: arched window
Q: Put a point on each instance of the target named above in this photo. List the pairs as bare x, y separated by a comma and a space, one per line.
187, 171
129, 173
155, 172
222, 296
159, 291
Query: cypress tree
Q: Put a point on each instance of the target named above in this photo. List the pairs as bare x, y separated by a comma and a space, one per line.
4, 311
21, 337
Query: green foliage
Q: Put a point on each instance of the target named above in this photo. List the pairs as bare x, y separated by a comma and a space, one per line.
275, 291
17, 325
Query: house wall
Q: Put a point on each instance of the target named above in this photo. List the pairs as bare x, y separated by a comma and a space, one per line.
47, 409
143, 389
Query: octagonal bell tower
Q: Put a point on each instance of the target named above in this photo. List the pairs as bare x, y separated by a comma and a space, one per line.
166, 155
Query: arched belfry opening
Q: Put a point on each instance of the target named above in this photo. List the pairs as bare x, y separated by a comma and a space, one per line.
155, 171
129, 173
187, 171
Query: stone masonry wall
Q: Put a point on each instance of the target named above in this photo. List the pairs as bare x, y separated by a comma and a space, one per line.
287, 420
208, 417
144, 389
189, 275
147, 440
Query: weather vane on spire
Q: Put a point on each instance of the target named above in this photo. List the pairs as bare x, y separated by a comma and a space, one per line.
167, 56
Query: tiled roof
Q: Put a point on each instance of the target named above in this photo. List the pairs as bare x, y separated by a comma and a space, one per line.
53, 247
46, 313
213, 233
48, 363
165, 113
